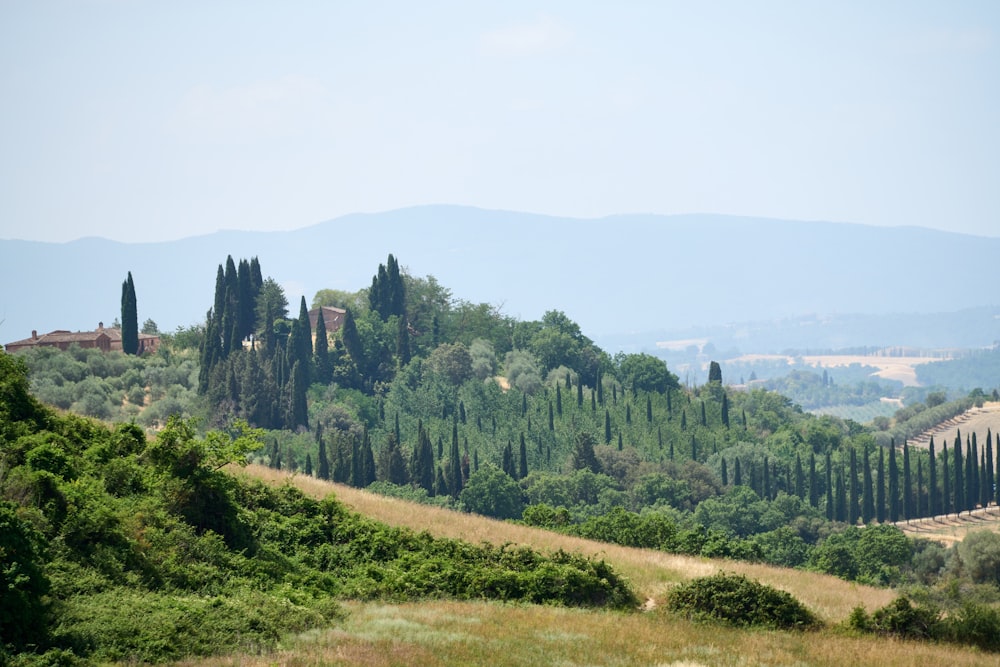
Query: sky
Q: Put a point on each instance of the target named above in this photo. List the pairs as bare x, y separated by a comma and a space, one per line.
148, 121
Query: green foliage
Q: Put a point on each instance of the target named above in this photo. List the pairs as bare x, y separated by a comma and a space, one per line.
492, 492
739, 601
23, 582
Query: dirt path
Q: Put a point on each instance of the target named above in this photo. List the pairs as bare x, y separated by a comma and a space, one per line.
951, 528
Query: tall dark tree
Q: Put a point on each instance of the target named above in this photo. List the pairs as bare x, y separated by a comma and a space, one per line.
454, 477
840, 506
725, 410
422, 465
959, 471
867, 500
737, 473
607, 427
558, 401
395, 468
714, 372
522, 460
323, 472
947, 504
129, 318
990, 470
324, 369
583, 454
649, 410
893, 484
921, 508
933, 495
507, 462
853, 495
704, 420
800, 481
724, 473
403, 352
908, 512
880, 507
813, 482
829, 488
355, 348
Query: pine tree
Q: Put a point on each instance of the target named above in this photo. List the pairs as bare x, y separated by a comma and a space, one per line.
868, 502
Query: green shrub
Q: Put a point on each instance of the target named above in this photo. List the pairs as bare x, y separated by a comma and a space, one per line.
737, 600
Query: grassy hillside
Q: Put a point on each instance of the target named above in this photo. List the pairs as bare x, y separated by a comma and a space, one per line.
652, 573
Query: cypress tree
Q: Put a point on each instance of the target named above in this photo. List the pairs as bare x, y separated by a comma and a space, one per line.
907, 483
659, 437
455, 462
970, 476
829, 488
353, 344
579, 393
725, 473
324, 462
309, 465
367, 461
684, 420
600, 390
893, 484
989, 468
619, 441
593, 401
694, 448
670, 409
423, 461
766, 488
800, 481
558, 400
714, 372
522, 470
813, 482
507, 463
395, 469
704, 421
725, 410
737, 473
649, 410
671, 449
947, 506
324, 370
129, 317
957, 465
607, 427
552, 422
921, 510
854, 496
840, 509
868, 502
934, 498
628, 414
880, 488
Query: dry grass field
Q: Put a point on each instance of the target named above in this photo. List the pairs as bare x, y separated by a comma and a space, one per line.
976, 420
438, 633
890, 368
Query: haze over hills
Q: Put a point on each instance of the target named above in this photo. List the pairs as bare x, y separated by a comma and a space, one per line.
616, 276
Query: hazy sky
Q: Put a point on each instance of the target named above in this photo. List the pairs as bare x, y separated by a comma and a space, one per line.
146, 121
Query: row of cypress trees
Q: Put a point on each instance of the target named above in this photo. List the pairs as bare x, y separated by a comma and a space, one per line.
952, 483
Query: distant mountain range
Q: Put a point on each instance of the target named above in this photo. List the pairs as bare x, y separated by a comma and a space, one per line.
615, 276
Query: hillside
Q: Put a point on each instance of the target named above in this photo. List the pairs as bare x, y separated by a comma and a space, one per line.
502, 258
652, 573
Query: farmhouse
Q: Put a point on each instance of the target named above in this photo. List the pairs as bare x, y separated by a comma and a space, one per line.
333, 319
104, 339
